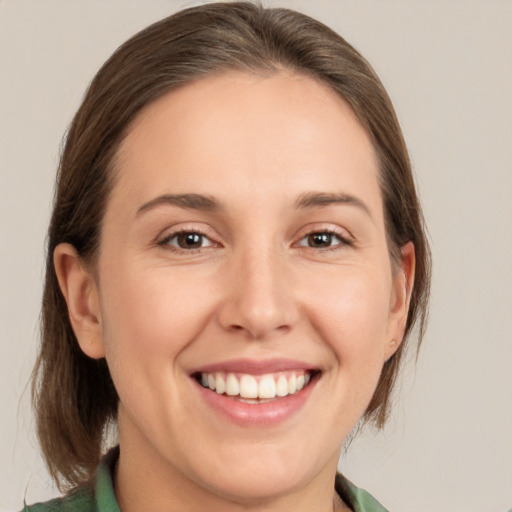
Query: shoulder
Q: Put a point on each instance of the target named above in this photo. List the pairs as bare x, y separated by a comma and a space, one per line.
98, 496
358, 499
80, 499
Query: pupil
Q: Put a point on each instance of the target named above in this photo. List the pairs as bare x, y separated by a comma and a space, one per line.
189, 240
319, 239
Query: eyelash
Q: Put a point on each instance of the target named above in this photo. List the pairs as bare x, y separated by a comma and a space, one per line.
165, 242
344, 241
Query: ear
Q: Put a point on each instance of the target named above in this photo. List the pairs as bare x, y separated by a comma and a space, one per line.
81, 294
403, 283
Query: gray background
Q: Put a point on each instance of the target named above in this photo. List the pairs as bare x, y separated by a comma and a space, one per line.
448, 68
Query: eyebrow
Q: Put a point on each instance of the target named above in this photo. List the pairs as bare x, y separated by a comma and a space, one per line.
188, 201
210, 204
320, 199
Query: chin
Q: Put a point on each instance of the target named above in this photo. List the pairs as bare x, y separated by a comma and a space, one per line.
263, 472
249, 486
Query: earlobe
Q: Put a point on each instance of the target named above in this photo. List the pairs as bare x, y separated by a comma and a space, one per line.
81, 295
401, 298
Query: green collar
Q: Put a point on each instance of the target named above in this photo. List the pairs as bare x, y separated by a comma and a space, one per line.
357, 499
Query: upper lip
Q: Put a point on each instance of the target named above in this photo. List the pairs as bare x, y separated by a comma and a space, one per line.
255, 367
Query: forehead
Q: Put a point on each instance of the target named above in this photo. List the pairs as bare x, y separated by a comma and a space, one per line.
284, 132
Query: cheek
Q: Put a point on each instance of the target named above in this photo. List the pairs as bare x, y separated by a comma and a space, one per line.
350, 310
151, 316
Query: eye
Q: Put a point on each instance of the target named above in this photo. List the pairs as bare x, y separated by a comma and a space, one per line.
187, 240
323, 240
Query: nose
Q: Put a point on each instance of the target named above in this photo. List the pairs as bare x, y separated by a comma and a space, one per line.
259, 297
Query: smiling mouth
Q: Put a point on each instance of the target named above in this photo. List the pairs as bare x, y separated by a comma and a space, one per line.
254, 389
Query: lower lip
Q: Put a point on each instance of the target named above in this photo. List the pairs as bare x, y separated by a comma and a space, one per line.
261, 414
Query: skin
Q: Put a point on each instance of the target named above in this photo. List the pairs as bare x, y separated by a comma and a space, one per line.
256, 288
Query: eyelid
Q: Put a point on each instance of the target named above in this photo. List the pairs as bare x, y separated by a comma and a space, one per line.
168, 234
346, 238
167, 240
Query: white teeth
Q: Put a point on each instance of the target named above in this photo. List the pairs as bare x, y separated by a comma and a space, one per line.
267, 387
248, 387
232, 387
220, 385
292, 384
281, 386
300, 382
247, 400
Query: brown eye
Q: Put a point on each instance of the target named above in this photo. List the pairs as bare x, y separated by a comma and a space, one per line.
323, 240
187, 240
320, 240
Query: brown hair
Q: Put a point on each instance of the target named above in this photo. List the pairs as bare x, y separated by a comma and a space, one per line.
73, 395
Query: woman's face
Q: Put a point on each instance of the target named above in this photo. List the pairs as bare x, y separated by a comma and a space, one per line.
243, 249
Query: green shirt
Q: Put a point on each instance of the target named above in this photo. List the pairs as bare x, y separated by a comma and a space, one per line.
99, 495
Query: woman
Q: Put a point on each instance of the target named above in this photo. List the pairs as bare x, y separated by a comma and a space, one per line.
236, 259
